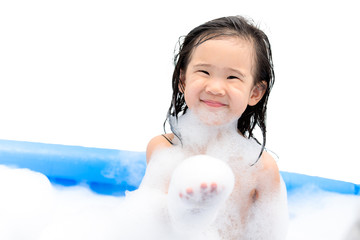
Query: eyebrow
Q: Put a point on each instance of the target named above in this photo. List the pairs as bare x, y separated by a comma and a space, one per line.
231, 69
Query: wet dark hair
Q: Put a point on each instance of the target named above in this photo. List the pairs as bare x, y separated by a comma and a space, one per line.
233, 26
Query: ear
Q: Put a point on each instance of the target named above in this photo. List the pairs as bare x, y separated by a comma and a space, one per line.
181, 84
257, 92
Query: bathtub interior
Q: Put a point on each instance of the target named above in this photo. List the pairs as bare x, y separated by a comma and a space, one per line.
42, 203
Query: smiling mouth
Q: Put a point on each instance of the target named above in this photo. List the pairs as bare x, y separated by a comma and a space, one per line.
215, 104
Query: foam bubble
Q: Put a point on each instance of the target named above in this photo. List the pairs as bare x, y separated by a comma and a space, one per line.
354, 231
214, 118
199, 186
84, 215
226, 144
204, 156
33, 209
25, 203
317, 214
220, 141
161, 167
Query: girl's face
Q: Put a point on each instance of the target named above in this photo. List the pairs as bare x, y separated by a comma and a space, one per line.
219, 81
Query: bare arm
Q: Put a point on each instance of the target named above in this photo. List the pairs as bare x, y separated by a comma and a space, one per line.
269, 175
157, 174
270, 207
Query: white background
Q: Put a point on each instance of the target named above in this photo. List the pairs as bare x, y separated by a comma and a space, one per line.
98, 74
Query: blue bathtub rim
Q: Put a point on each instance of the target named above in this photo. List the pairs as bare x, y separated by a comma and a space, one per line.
113, 171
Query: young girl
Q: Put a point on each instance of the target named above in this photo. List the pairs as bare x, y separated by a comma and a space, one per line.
217, 177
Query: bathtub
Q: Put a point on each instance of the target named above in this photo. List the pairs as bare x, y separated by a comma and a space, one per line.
112, 172
319, 208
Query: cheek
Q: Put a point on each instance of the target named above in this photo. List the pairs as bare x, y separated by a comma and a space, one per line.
191, 95
240, 104
241, 109
188, 98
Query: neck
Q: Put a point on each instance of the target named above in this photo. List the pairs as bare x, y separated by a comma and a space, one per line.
195, 133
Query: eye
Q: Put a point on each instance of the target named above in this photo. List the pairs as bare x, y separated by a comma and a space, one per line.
204, 72
232, 77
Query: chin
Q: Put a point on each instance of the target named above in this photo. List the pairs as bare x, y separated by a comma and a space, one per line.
215, 118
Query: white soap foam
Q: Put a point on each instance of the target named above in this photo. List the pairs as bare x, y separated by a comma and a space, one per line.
33, 209
211, 182
26, 200
317, 214
354, 232
224, 143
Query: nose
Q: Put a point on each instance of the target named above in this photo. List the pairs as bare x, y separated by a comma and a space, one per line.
215, 87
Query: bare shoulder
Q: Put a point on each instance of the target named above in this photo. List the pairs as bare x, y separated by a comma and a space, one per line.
269, 174
158, 142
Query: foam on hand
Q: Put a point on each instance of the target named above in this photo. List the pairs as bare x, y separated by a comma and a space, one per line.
199, 187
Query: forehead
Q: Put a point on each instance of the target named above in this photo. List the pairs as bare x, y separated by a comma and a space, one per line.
225, 51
